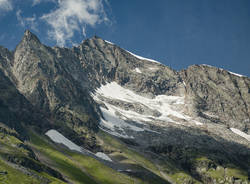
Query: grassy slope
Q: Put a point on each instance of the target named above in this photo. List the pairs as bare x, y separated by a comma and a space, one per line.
112, 143
78, 168
220, 174
14, 175
75, 166
131, 157
174, 174
11, 173
177, 177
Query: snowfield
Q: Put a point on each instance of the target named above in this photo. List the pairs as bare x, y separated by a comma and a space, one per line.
240, 133
109, 42
111, 117
239, 75
138, 70
138, 57
143, 58
103, 156
116, 119
56, 137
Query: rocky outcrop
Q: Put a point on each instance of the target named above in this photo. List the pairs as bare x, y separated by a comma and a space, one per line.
181, 116
17, 154
218, 95
105, 62
52, 80
15, 109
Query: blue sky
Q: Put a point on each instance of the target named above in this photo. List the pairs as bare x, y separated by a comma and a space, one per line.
178, 33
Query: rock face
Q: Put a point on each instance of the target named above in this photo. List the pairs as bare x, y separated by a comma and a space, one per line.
105, 62
168, 115
52, 80
219, 95
12, 104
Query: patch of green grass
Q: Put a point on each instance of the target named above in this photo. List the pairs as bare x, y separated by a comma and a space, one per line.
8, 139
100, 172
111, 143
133, 157
14, 176
181, 177
72, 165
9, 147
238, 173
64, 164
219, 174
202, 159
215, 174
52, 179
10, 144
67, 166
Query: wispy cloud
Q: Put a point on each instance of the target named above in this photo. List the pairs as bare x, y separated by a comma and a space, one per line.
27, 21
36, 2
6, 5
72, 16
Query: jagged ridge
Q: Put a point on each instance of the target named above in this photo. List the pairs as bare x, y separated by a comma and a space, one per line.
60, 83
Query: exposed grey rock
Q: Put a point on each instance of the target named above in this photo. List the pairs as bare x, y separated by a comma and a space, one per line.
59, 84
218, 95
52, 80
106, 62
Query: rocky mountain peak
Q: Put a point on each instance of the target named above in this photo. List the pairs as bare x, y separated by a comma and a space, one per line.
29, 40
198, 118
29, 36
93, 42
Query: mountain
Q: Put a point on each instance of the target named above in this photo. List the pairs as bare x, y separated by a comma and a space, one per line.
96, 113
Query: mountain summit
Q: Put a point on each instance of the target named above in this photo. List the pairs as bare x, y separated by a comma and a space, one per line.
96, 113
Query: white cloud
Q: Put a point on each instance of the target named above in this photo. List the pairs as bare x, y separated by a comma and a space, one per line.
27, 21
36, 2
6, 5
73, 16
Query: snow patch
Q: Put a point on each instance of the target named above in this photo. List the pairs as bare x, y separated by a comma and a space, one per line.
240, 133
239, 75
138, 70
103, 156
236, 74
114, 121
198, 123
115, 117
208, 65
111, 132
142, 58
109, 42
115, 124
210, 115
139, 57
161, 103
56, 137
153, 69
